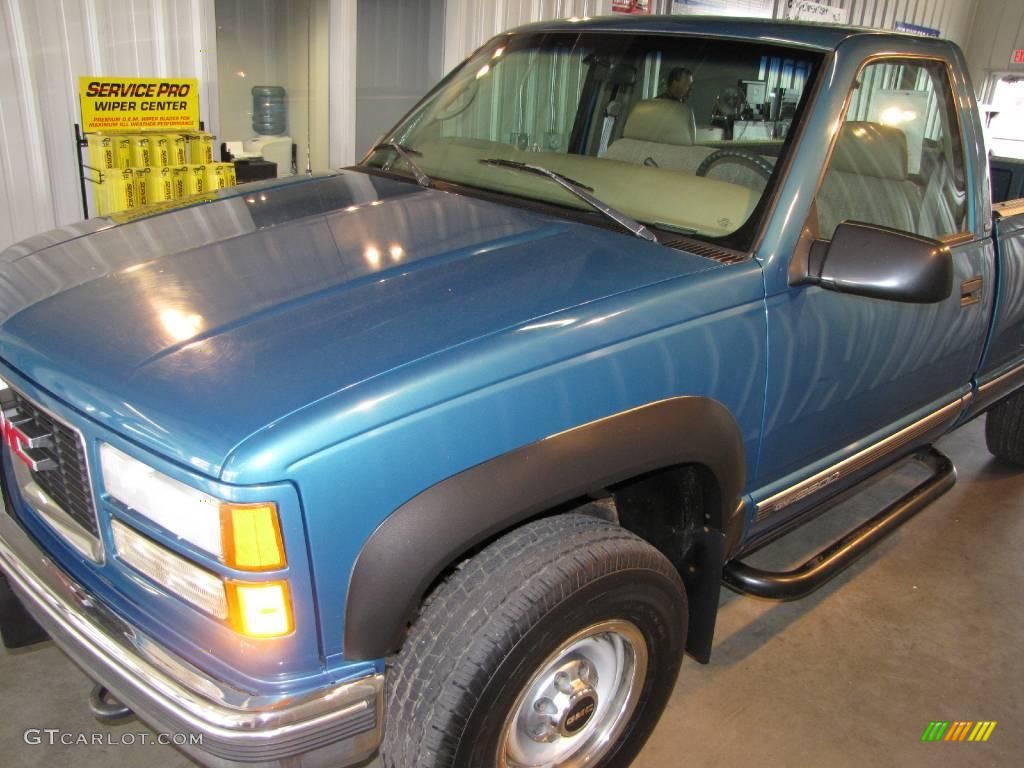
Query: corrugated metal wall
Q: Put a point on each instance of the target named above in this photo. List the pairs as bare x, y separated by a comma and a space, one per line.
953, 17
45, 45
998, 31
469, 23
547, 92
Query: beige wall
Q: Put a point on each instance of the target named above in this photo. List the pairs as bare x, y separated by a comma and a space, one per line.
398, 60
275, 42
248, 44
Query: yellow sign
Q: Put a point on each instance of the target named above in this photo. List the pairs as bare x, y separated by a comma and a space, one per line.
138, 104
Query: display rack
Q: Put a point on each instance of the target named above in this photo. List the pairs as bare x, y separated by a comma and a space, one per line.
81, 142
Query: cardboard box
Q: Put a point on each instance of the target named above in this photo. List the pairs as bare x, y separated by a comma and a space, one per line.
200, 148
195, 178
118, 191
101, 153
161, 185
220, 175
177, 148
141, 151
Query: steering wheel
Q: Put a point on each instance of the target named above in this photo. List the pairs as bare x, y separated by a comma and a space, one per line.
739, 156
458, 101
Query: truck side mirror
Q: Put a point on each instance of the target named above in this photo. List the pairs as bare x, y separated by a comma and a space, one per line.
882, 263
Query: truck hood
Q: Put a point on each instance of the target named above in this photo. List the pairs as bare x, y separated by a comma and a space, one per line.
188, 330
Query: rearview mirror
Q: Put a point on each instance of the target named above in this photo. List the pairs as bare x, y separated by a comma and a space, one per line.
882, 263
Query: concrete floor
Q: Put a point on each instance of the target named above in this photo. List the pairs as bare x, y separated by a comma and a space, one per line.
927, 627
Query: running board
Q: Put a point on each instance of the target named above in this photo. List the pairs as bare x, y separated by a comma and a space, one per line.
835, 558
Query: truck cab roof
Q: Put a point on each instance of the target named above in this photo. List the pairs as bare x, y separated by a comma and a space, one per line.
798, 33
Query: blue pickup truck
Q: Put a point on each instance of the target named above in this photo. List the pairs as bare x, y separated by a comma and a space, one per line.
449, 453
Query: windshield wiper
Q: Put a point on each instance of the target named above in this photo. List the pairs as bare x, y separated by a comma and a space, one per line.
406, 154
582, 192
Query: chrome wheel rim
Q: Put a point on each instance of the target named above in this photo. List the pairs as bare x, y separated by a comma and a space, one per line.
579, 700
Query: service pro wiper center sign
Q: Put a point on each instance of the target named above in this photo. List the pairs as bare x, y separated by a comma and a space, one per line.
138, 104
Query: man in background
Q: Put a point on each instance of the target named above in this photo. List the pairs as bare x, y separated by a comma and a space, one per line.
678, 85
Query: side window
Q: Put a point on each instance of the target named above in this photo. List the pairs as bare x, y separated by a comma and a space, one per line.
899, 159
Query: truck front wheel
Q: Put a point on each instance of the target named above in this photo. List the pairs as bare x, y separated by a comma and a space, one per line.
1004, 429
557, 645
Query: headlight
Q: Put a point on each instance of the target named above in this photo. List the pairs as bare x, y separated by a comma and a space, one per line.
246, 537
242, 536
184, 511
199, 587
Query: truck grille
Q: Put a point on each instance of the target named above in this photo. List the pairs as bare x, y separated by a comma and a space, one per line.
66, 478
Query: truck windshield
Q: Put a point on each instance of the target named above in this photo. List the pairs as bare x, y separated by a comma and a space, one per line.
680, 133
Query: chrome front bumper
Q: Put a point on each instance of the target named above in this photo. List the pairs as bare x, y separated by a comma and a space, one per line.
334, 726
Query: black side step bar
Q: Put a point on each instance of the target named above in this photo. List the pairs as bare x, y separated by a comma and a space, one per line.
801, 581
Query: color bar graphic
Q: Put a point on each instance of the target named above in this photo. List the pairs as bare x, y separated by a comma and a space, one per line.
958, 730
982, 730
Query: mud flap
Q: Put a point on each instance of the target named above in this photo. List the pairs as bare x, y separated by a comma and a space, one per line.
17, 628
703, 579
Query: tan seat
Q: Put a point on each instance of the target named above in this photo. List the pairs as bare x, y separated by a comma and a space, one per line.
660, 132
661, 120
945, 197
867, 180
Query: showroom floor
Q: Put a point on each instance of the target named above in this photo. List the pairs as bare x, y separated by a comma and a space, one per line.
927, 627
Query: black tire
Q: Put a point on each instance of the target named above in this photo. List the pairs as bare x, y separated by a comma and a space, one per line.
484, 633
1004, 429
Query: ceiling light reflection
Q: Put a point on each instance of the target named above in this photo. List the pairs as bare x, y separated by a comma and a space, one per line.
372, 255
549, 324
137, 267
897, 116
602, 318
181, 326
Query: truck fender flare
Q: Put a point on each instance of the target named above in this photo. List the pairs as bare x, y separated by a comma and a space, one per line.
427, 534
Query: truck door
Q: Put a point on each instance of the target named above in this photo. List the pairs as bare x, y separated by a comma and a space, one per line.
844, 370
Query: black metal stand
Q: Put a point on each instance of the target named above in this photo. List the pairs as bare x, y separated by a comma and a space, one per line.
80, 142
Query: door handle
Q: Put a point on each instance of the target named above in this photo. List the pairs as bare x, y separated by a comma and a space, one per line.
970, 291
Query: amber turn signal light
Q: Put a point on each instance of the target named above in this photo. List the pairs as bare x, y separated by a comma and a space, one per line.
251, 537
260, 610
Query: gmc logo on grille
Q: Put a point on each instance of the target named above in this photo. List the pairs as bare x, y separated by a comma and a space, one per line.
26, 446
